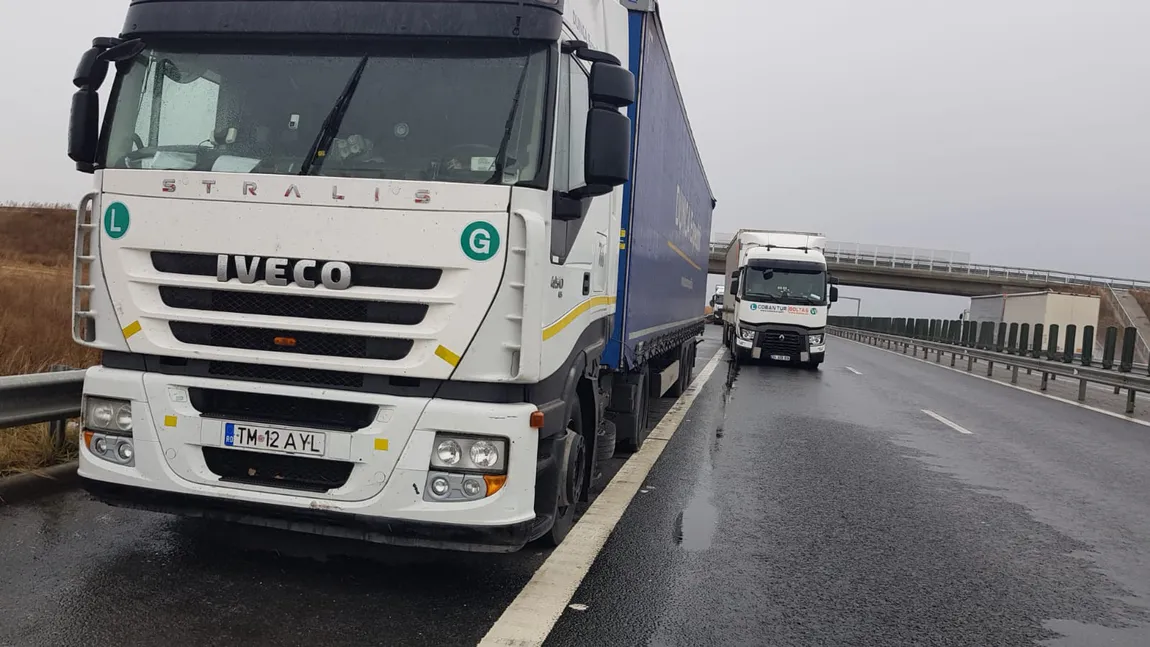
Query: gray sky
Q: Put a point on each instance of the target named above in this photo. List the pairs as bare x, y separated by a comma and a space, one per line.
1016, 130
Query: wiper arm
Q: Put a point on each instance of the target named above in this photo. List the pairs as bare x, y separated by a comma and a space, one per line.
501, 156
318, 151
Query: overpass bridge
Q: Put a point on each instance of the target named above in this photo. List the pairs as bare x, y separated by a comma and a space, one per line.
933, 271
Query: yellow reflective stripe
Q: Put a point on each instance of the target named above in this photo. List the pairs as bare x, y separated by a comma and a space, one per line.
683, 254
447, 356
131, 329
573, 314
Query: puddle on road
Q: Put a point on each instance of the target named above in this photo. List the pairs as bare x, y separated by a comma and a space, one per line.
695, 526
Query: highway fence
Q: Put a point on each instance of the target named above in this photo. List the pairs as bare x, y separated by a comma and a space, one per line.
1015, 346
51, 397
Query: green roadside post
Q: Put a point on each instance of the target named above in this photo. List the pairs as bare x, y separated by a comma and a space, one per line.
1068, 345
1109, 346
1023, 339
1036, 351
1128, 340
1052, 342
1088, 345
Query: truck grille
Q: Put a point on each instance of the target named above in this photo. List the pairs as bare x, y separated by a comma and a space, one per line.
272, 470
286, 374
302, 343
371, 276
282, 305
268, 408
775, 342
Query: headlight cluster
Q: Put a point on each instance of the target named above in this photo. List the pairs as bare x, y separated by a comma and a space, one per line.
107, 429
748, 335
816, 340
465, 468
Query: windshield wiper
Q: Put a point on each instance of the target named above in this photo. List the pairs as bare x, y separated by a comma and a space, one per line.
501, 156
318, 151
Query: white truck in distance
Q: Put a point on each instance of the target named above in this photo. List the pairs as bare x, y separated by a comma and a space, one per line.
717, 306
777, 297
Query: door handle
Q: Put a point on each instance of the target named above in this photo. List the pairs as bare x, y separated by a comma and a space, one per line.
586, 283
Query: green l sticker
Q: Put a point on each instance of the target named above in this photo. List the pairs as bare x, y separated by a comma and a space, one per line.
116, 220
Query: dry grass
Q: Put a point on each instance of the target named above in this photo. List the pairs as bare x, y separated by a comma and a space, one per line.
29, 448
35, 318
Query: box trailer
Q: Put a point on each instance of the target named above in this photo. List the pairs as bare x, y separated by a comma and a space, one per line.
1046, 308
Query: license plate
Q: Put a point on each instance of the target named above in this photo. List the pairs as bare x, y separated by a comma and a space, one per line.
274, 440
781, 358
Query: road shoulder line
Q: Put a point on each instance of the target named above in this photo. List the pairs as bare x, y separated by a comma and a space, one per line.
530, 617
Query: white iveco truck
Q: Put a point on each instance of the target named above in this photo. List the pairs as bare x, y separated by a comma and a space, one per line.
777, 298
362, 267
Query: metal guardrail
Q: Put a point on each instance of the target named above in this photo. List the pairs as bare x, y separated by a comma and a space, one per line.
1118, 379
42, 397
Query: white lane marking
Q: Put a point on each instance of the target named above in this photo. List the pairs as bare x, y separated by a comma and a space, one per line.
946, 422
960, 371
529, 618
853, 370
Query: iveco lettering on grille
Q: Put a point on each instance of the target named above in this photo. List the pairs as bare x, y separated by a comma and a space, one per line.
333, 275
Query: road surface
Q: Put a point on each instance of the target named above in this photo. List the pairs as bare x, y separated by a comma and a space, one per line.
789, 508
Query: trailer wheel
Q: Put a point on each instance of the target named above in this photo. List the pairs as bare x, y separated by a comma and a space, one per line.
574, 479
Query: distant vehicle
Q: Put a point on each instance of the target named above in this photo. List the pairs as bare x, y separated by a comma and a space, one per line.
778, 294
716, 314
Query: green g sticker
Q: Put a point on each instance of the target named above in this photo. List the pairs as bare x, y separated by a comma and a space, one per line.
116, 220
480, 241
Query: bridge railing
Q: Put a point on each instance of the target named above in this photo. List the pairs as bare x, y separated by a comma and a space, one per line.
945, 262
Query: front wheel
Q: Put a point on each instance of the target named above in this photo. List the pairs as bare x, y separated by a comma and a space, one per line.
574, 476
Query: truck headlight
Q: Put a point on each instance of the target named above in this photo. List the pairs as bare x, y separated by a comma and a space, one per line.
469, 454
816, 340
747, 335
107, 414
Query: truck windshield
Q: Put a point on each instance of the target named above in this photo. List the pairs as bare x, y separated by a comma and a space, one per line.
785, 285
452, 111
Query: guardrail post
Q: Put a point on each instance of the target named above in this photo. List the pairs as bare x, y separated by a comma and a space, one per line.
1000, 343
1088, 345
1108, 347
1068, 345
1036, 350
1128, 339
1052, 343
58, 429
1023, 339
1012, 339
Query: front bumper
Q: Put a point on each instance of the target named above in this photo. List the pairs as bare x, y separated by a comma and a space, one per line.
383, 499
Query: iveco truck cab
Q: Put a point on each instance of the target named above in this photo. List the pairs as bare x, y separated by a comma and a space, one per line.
779, 297
353, 264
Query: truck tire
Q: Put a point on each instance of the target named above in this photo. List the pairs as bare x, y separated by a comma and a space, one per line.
574, 478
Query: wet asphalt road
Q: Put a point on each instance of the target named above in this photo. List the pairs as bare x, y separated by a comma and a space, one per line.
791, 508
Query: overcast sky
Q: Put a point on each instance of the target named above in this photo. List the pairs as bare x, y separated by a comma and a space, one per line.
1015, 130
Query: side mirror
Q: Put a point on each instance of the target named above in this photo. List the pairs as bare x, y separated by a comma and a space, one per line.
834, 280
611, 85
91, 70
834, 294
84, 129
607, 151
735, 287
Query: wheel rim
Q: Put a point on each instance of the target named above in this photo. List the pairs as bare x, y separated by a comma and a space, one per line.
576, 470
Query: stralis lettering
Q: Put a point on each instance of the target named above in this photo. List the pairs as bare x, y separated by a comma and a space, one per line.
291, 191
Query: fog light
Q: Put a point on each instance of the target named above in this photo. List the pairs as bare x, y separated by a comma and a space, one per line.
473, 486
100, 446
124, 451
440, 486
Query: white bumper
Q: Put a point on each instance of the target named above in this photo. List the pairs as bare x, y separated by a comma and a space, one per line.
390, 456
